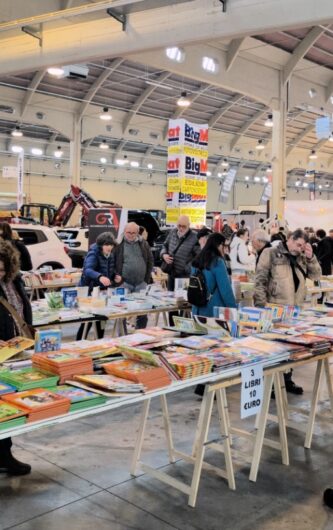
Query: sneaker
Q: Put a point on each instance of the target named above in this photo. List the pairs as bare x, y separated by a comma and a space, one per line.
328, 497
13, 467
293, 388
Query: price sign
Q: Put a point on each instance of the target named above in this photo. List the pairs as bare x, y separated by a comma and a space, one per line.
252, 390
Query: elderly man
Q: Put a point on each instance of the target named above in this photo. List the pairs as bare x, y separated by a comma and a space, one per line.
134, 264
260, 241
280, 278
179, 249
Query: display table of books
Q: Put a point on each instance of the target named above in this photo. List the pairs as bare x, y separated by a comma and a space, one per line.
36, 281
77, 379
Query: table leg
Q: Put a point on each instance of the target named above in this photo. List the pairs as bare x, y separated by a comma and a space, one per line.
140, 438
207, 405
259, 438
167, 429
278, 382
314, 403
222, 407
329, 382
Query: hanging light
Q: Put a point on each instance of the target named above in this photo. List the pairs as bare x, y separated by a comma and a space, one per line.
225, 163
103, 145
150, 165
103, 160
313, 155
320, 186
305, 184
247, 178
269, 121
134, 163
209, 173
105, 114
175, 54
269, 169
17, 149
36, 151
17, 132
183, 101
59, 152
225, 172
256, 179
298, 183
260, 146
56, 71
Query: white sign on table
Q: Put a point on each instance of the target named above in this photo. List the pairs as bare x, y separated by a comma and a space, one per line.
252, 390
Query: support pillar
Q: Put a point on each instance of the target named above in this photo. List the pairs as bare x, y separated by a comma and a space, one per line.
75, 153
279, 177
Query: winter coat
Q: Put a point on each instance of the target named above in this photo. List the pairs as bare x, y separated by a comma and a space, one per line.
185, 253
219, 286
146, 254
274, 278
7, 327
241, 260
324, 255
25, 258
96, 265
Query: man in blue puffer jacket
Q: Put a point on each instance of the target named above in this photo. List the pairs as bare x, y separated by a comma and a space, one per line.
99, 271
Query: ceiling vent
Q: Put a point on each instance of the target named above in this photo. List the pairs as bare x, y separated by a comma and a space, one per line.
7, 109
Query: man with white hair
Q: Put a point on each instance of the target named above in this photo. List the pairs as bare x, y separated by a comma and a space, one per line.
260, 241
134, 263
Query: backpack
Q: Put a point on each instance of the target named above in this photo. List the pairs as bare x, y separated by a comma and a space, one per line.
197, 292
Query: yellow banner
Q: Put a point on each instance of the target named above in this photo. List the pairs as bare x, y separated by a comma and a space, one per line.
172, 215
197, 215
193, 186
173, 184
186, 150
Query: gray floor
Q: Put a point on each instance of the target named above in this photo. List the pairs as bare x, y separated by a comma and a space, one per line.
80, 477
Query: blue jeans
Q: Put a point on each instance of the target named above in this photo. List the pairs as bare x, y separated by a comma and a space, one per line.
142, 320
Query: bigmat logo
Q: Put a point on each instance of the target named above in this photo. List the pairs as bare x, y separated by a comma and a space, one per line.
198, 137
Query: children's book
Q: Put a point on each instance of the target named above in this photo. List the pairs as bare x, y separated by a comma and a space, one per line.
69, 297
80, 398
5, 388
9, 411
29, 378
14, 346
47, 340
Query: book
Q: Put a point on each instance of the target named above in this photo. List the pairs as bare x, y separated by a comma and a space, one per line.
5, 388
64, 364
29, 378
109, 382
9, 424
39, 403
47, 340
80, 398
14, 346
9, 411
69, 297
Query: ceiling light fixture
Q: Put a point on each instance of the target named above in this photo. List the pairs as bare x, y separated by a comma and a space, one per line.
105, 115
320, 186
17, 149
183, 101
59, 152
36, 151
175, 54
209, 64
103, 145
330, 139
305, 184
313, 155
269, 121
17, 132
327, 185
56, 71
298, 183
219, 175
247, 177
150, 165
260, 146
265, 180
225, 163
103, 160
269, 169
312, 93
256, 179
121, 161
134, 163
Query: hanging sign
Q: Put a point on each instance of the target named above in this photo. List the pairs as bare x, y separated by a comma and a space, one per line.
20, 163
252, 390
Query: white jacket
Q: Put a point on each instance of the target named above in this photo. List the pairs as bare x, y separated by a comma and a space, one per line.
241, 260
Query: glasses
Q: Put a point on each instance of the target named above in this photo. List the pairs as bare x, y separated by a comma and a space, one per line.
182, 226
131, 233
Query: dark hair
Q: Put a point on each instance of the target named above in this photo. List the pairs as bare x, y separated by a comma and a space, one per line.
242, 232
298, 234
210, 252
105, 238
10, 259
203, 232
6, 230
321, 233
141, 230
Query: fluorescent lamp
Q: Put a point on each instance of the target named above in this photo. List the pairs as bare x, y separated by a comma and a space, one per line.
36, 151
313, 155
225, 163
103, 145
150, 165
269, 121
17, 149
209, 64
256, 179
103, 160
183, 101
260, 146
17, 132
121, 161
58, 153
134, 163
105, 115
247, 177
175, 54
56, 71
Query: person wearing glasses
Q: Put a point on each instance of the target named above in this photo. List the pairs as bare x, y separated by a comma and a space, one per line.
12, 291
179, 250
134, 264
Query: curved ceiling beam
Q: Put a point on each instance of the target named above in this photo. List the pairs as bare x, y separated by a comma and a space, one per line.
300, 51
147, 154
142, 99
30, 91
219, 113
233, 51
329, 90
97, 85
257, 116
300, 137
119, 149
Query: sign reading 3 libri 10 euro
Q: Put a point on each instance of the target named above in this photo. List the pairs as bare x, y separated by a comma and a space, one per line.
187, 171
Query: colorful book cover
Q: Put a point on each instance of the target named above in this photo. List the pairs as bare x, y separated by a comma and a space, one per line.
9, 411
69, 297
47, 340
14, 346
35, 399
139, 355
16, 422
28, 378
5, 388
109, 382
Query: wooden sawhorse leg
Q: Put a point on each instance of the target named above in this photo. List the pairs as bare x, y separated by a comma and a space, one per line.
314, 403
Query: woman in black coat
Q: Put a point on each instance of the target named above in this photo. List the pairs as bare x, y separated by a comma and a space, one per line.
7, 234
12, 290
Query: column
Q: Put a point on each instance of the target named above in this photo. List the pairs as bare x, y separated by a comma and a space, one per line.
279, 177
75, 153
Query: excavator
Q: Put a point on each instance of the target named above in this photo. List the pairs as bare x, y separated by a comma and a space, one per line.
48, 214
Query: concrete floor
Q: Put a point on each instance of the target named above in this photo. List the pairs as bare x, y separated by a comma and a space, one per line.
80, 476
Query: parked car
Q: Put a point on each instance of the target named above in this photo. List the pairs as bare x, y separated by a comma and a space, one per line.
44, 245
158, 244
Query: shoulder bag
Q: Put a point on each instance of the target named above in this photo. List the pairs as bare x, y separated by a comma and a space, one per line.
26, 330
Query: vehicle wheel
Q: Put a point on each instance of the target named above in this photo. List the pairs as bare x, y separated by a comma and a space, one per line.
52, 264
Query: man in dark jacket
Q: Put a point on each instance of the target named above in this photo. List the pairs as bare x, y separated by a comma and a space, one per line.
134, 264
179, 249
324, 252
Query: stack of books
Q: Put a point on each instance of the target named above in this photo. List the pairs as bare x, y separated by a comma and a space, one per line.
79, 398
315, 344
196, 343
5, 388
39, 403
182, 366
29, 378
11, 416
64, 364
108, 385
139, 366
